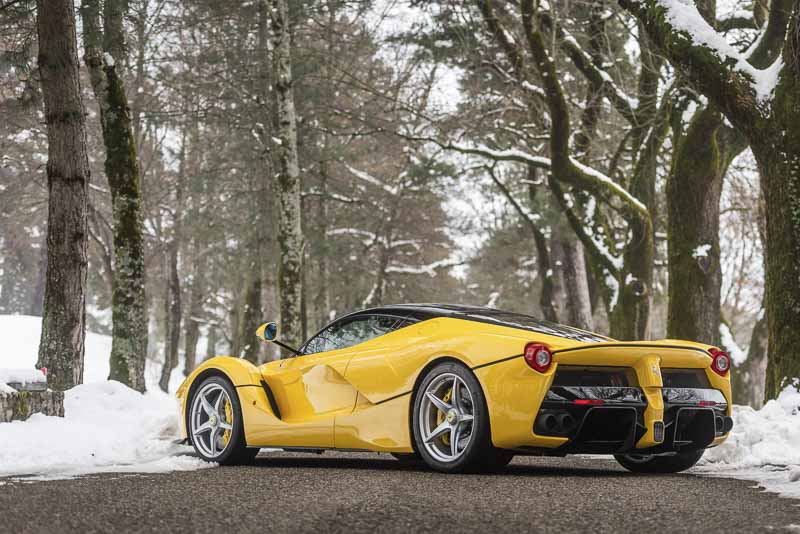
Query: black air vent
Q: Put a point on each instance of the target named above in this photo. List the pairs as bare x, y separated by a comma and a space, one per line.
576, 375
684, 378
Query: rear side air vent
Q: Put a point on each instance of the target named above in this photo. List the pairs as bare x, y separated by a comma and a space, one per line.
685, 378
578, 375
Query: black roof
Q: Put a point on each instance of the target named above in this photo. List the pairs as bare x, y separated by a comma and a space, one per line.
484, 314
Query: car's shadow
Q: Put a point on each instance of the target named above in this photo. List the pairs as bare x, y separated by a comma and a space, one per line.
522, 467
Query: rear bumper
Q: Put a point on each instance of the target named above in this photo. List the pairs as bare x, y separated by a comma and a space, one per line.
612, 420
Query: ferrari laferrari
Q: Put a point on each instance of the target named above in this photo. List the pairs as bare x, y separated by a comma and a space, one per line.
463, 388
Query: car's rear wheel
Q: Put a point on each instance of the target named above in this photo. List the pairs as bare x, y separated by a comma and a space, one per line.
214, 423
451, 422
648, 463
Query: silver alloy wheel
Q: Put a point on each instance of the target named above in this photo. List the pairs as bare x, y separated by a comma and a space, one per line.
211, 420
446, 417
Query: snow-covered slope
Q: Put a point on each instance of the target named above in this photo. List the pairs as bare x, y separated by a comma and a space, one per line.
107, 427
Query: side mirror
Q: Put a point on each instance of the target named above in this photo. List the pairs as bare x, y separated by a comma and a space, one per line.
267, 331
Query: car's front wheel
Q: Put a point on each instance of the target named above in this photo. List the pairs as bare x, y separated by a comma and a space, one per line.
648, 463
451, 422
214, 423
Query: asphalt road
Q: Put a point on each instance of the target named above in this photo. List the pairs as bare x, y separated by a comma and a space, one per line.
337, 492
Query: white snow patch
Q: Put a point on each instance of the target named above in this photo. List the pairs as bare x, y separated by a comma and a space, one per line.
684, 16
764, 446
701, 251
21, 376
731, 347
108, 59
107, 427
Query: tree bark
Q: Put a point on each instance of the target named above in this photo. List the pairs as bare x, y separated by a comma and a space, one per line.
576, 286
253, 314
105, 55
174, 309
61, 347
196, 298
693, 193
37, 297
290, 235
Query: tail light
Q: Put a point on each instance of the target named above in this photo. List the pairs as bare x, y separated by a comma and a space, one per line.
720, 361
538, 357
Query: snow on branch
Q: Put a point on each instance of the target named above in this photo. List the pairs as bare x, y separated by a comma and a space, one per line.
371, 238
429, 269
679, 28
613, 187
361, 175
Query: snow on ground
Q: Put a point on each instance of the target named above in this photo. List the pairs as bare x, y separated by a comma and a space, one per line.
107, 427
764, 446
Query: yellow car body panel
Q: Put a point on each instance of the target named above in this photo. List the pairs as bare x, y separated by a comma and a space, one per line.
361, 397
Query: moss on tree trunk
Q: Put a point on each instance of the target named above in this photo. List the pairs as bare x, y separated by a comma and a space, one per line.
128, 308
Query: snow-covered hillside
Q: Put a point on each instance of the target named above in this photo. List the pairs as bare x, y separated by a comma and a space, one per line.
107, 427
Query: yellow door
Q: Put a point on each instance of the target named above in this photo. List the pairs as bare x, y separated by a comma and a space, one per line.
309, 391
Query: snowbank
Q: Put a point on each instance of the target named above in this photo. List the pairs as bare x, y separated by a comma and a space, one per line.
107, 427
764, 446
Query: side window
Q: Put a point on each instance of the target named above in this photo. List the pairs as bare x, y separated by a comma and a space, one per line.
358, 330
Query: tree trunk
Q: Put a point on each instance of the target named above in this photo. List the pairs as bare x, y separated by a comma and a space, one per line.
748, 380
196, 298
253, 314
693, 192
128, 311
173, 305
211, 343
779, 165
576, 286
290, 236
61, 347
37, 297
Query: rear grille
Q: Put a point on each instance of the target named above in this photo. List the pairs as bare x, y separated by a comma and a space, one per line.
593, 376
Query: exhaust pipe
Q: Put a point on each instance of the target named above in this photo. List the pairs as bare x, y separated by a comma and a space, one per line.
549, 422
566, 422
727, 424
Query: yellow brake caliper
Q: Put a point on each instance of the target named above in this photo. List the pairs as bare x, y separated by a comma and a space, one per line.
441, 416
226, 436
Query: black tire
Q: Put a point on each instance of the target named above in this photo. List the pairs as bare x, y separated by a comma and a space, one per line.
479, 450
660, 464
236, 451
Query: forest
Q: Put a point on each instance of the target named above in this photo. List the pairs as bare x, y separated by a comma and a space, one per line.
175, 173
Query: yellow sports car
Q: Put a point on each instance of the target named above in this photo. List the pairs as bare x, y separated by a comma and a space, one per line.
464, 388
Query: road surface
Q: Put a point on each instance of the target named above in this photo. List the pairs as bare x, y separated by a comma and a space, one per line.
338, 492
